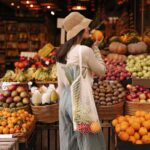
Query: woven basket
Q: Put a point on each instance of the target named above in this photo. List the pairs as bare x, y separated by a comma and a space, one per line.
110, 112
132, 107
46, 114
26, 108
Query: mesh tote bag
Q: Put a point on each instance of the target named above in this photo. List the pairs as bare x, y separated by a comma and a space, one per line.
85, 116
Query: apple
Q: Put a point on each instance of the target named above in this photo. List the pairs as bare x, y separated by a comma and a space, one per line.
17, 99
2, 98
129, 97
25, 100
14, 93
136, 99
23, 94
6, 93
20, 89
9, 100
12, 87
148, 95
142, 101
142, 96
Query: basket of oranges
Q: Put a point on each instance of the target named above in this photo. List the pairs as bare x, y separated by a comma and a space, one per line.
133, 132
19, 123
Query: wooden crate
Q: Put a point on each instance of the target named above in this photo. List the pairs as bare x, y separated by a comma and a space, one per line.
46, 113
47, 137
108, 134
132, 107
110, 112
9, 143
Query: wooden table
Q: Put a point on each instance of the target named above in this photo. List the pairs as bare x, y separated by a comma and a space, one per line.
9, 144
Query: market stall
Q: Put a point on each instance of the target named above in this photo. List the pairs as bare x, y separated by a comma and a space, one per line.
29, 101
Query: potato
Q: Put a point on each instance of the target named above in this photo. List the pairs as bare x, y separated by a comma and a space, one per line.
108, 99
101, 94
102, 98
121, 89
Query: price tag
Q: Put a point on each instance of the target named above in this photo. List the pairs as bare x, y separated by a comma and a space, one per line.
47, 62
30, 84
5, 85
6, 135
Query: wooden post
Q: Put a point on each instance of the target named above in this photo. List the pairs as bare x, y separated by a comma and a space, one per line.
142, 17
63, 35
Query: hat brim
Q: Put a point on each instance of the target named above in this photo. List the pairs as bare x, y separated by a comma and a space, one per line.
82, 25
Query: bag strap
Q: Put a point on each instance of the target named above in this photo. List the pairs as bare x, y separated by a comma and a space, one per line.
80, 61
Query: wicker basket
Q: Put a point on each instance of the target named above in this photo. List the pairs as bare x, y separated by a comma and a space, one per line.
132, 107
110, 112
26, 108
46, 114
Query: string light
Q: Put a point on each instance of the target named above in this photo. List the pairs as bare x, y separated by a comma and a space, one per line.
12, 4
52, 13
31, 5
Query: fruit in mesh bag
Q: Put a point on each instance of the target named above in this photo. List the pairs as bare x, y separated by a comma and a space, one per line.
83, 128
95, 127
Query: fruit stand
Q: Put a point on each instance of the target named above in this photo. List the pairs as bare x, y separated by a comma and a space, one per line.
29, 101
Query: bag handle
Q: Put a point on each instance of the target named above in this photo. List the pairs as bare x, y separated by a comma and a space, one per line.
80, 61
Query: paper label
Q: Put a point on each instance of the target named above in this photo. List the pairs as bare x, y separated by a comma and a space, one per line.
6, 135
5, 85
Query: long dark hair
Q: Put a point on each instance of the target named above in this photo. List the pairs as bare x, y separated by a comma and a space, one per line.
65, 48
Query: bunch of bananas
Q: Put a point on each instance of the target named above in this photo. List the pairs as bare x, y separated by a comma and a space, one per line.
46, 50
53, 73
30, 74
19, 76
9, 76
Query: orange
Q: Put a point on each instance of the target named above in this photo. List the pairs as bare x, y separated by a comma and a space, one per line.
130, 130
10, 125
145, 139
97, 35
147, 116
137, 113
117, 128
3, 123
120, 119
123, 136
1, 129
132, 139
143, 113
138, 142
25, 125
123, 126
95, 127
146, 124
12, 130
137, 135
135, 125
5, 130
143, 131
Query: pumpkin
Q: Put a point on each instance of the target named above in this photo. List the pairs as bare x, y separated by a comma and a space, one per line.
116, 57
117, 47
137, 48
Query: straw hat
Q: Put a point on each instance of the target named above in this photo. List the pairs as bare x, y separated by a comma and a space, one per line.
74, 23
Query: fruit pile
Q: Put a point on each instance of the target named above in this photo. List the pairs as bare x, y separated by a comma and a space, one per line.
13, 122
139, 66
40, 74
116, 70
44, 95
14, 96
107, 93
94, 127
135, 129
138, 94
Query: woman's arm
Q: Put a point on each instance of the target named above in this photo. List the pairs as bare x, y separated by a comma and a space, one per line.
95, 61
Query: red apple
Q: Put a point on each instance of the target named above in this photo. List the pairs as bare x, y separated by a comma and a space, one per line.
12, 87
148, 95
